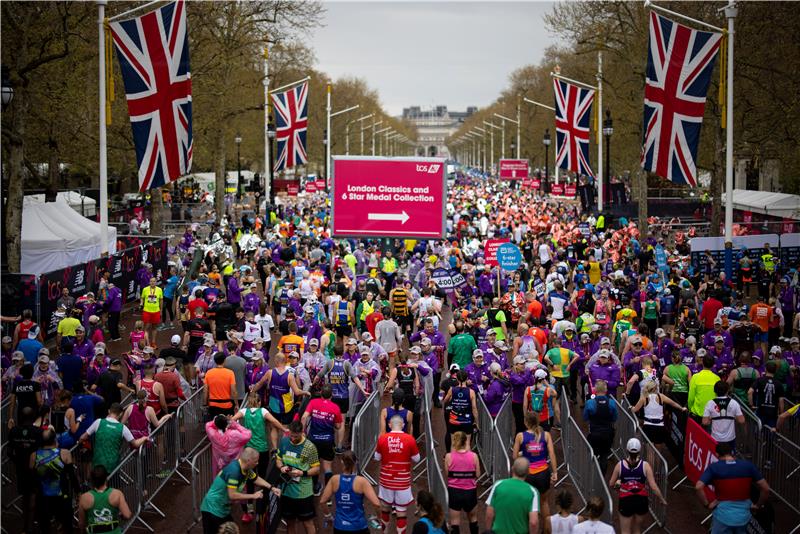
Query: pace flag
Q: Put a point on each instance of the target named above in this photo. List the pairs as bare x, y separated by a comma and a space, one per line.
573, 109
291, 123
153, 52
680, 61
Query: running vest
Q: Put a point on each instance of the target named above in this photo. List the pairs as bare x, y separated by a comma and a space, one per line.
138, 423
281, 399
102, 516
254, 421
634, 481
405, 379
153, 400
460, 406
741, 384
461, 473
349, 506
107, 442
338, 380
49, 466
527, 347
342, 314
400, 302
391, 412
769, 262
535, 451
650, 311
331, 344
601, 421
722, 406
366, 309
431, 528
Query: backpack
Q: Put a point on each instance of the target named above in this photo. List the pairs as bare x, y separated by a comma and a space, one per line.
722, 407
537, 399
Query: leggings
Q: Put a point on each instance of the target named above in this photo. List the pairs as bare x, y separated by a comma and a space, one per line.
169, 309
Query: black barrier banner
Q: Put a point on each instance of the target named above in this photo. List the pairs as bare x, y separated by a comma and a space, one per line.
126, 272
17, 293
676, 435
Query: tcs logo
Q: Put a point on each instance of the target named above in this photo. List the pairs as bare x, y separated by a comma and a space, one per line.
433, 168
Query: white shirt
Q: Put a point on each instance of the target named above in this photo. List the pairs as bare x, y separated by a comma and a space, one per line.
563, 525
544, 253
723, 429
592, 527
126, 433
267, 324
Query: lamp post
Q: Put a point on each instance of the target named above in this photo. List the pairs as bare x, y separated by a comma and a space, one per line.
325, 150
514, 150
8, 91
608, 130
238, 140
270, 138
546, 143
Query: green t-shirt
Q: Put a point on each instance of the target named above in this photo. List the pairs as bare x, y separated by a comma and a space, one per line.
107, 441
680, 375
500, 316
512, 500
302, 456
560, 358
102, 514
216, 501
254, 421
460, 349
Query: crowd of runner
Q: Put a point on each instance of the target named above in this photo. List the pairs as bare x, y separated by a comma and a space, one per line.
287, 331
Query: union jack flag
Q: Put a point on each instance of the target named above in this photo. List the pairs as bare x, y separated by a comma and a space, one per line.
291, 123
573, 109
680, 61
153, 52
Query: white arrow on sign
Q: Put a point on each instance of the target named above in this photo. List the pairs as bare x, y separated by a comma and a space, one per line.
402, 217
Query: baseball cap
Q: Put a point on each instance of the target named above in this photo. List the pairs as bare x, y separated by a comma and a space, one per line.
794, 340
701, 352
604, 340
691, 340
7, 339
248, 354
477, 353
352, 341
366, 336
176, 339
293, 355
519, 359
17, 355
170, 361
660, 332
115, 361
99, 350
425, 341
261, 340
312, 341
540, 374
585, 337
454, 367
149, 350
364, 350
603, 354
595, 328
636, 340
33, 333
44, 351
208, 342
415, 350
78, 328
634, 445
717, 321
775, 350
43, 359
308, 309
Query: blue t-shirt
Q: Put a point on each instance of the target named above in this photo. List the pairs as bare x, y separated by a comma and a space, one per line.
732, 481
30, 348
172, 285
70, 366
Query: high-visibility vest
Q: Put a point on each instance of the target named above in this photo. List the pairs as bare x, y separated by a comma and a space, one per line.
601, 222
769, 262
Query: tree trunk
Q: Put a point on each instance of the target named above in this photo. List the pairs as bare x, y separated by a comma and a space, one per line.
717, 179
219, 169
156, 212
18, 110
641, 194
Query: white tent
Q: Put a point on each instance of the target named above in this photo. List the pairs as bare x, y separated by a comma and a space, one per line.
766, 203
85, 205
55, 236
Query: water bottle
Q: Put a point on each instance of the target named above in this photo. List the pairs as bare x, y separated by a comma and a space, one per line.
326, 520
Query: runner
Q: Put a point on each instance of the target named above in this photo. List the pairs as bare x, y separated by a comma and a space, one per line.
397, 452
100, 508
632, 476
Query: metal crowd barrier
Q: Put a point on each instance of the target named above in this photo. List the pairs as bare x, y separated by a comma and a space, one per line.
791, 427
582, 467
5, 415
159, 461
191, 427
783, 470
484, 440
125, 477
625, 429
8, 474
436, 483
202, 477
660, 468
504, 423
366, 428
749, 442
501, 462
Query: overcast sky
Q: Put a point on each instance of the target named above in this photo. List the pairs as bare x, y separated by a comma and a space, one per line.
456, 54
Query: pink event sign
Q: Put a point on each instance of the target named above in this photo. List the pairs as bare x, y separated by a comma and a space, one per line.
513, 169
388, 197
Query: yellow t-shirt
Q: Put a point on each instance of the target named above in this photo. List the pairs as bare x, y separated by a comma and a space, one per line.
151, 299
67, 326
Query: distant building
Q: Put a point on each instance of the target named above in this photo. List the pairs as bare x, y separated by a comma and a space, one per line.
434, 125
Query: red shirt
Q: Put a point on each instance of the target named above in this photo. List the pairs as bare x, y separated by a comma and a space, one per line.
709, 312
373, 319
196, 303
396, 451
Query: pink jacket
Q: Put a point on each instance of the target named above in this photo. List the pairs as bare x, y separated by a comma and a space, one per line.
226, 446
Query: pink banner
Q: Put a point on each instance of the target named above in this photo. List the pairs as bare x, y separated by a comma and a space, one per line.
490, 250
513, 169
397, 197
293, 189
571, 190
311, 186
698, 453
557, 190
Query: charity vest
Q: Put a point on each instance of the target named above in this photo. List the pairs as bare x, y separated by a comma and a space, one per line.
107, 441
769, 262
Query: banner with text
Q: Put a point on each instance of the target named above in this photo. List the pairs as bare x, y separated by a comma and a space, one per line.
490, 251
513, 169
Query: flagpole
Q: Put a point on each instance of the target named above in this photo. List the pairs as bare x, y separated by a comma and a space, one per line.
599, 173
267, 168
103, 166
328, 137
730, 14
519, 124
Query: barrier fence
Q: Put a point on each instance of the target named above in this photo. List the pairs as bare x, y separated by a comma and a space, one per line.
658, 463
791, 426
366, 428
504, 424
202, 475
582, 467
436, 483
124, 478
484, 440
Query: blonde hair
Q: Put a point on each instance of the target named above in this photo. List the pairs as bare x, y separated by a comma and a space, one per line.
138, 325
459, 440
253, 400
650, 387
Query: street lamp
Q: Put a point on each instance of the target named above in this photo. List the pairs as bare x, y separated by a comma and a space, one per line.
608, 130
271, 136
8, 91
238, 140
546, 143
513, 149
325, 150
